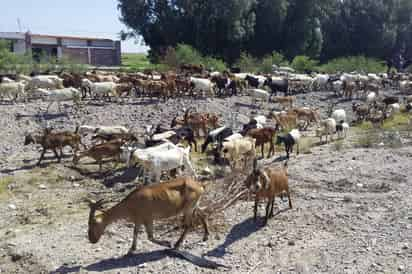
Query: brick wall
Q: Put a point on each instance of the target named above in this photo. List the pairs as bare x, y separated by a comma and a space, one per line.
103, 57
76, 54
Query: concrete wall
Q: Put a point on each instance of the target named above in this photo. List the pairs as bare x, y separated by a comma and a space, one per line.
19, 47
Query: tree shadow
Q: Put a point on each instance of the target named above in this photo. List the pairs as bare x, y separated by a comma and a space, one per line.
238, 232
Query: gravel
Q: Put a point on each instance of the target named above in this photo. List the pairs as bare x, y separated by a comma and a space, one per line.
351, 214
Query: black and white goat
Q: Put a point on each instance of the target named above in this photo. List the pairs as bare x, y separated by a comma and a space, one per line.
217, 135
289, 140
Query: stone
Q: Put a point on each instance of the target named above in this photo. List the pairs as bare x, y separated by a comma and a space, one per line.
12, 206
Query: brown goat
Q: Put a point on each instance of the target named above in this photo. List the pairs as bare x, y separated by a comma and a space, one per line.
109, 150
285, 101
307, 115
285, 120
268, 183
263, 136
127, 137
54, 141
197, 122
149, 203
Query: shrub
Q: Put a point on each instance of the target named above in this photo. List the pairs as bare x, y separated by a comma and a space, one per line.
302, 63
247, 63
267, 62
214, 64
187, 54
353, 63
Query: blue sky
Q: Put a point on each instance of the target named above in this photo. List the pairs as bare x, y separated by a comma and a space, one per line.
91, 18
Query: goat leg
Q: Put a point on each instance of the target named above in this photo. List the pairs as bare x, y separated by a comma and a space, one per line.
41, 156
267, 212
262, 147
271, 208
255, 209
185, 230
203, 219
290, 201
135, 232
149, 231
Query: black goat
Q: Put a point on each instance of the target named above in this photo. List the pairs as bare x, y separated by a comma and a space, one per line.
390, 100
182, 133
246, 127
217, 135
221, 83
289, 140
252, 81
276, 87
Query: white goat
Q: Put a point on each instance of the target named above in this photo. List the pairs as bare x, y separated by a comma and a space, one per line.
371, 97
327, 127
11, 90
102, 130
59, 95
236, 149
45, 82
165, 157
205, 86
320, 82
6, 80
259, 94
339, 115
100, 89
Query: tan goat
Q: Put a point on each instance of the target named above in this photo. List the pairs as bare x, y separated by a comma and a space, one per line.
99, 152
149, 203
268, 183
285, 101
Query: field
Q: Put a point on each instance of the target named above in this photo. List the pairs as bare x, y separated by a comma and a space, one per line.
135, 61
351, 199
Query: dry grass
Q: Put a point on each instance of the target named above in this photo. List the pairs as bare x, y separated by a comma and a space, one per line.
4, 183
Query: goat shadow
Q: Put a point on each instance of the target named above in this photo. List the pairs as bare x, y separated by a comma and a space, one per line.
238, 232
136, 260
127, 175
116, 263
53, 160
42, 116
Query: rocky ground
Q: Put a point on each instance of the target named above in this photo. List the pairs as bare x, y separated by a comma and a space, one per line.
351, 205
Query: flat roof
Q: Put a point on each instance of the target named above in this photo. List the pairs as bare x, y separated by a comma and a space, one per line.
21, 35
69, 37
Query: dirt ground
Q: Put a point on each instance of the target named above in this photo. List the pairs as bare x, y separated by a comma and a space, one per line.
351, 205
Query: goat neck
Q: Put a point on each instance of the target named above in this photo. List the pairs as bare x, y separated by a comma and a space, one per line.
99, 222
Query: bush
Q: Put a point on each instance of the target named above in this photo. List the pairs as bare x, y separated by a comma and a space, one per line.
214, 64
247, 63
302, 63
187, 54
267, 62
354, 63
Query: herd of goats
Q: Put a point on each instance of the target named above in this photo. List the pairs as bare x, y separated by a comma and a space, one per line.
162, 150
